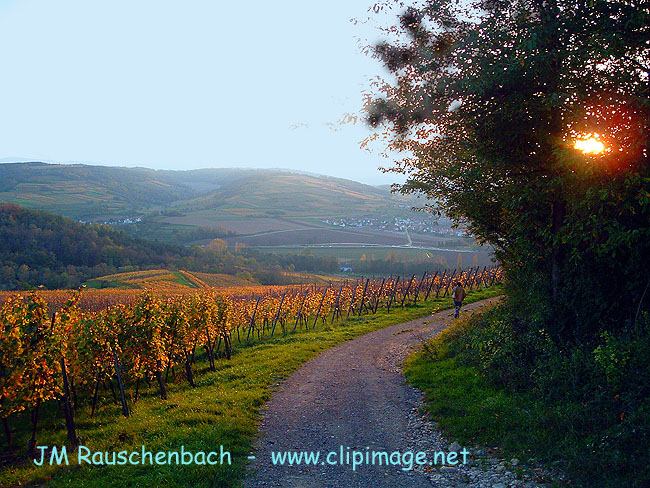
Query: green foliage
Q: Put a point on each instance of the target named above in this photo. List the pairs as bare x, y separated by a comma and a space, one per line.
295, 262
487, 106
392, 266
586, 406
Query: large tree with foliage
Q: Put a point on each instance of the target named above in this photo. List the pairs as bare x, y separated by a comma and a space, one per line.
486, 103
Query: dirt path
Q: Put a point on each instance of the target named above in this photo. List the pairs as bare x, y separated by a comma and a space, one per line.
352, 395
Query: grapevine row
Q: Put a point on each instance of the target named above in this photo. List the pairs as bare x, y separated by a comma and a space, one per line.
69, 355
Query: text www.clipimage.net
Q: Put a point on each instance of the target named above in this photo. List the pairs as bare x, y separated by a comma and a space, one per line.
344, 456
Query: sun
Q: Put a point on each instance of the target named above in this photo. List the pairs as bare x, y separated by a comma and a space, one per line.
589, 145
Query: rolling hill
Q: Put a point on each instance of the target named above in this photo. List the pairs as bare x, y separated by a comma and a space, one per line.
257, 208
163, 279
93, 193
88, 193
195, 205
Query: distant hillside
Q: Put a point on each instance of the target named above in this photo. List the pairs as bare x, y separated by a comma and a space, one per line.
270, 194
40, 248
88, 192
198, 205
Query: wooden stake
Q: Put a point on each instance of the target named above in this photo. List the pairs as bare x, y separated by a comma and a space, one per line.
442, 282
433, 280
354, 294
335, 313
449, 283
392, 295
277, 315
125, 408
378, 297
67, 407
299, 316
252, 319
363, 296
407, 291
417, 290
319, 307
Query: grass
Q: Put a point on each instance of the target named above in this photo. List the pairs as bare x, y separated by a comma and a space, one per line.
182, 280
465, 403
470, 409
523, 423
222, 410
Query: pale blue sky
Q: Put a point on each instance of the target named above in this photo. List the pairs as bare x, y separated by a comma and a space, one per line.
187, 84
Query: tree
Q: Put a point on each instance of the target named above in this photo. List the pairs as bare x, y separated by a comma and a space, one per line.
487, 104
217, 245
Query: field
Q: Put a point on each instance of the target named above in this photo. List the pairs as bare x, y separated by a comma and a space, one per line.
444, 257
320, 236
162, 280
170, 281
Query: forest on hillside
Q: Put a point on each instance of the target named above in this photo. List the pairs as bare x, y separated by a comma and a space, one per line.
42, 249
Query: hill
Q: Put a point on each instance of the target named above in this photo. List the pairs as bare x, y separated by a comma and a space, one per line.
259, 193
85, 192
195, 205
40, 248
92, 193
271, 210
166, 281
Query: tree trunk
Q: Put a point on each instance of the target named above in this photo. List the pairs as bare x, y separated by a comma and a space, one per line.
559, 209
68, 413
97, 381
226, 345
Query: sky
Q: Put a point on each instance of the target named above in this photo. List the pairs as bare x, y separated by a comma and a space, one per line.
191, 84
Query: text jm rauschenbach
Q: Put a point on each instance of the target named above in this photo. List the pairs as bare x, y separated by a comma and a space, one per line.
59, 456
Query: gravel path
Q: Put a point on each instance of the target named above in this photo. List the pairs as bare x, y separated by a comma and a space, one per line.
355, 395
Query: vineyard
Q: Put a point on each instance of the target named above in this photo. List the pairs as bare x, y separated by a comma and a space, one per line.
95, 300
56, 347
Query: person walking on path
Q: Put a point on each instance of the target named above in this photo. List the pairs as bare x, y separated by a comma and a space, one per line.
458, 295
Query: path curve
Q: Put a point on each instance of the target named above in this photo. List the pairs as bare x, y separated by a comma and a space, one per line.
352, 395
